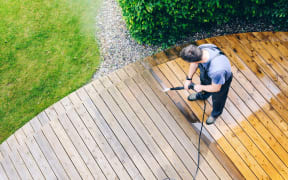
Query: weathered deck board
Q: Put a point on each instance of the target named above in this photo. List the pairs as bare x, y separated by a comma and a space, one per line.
3, 175
50, 155
148, 140
60, 152
20, 136
109, 135
40, 160
20, 166
78, 143
5, 149
120, 133
100, 139
132, 134
30, 162
102, 165
71, 150
9, 168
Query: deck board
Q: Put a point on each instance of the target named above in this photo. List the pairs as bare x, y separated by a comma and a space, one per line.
123, 126
9, 168
120, 133
100, 139
30, 162
60, 152
20, 136
40, 160
147, 138
3, 175
12, 142
133, 135
50, 155
108, 133
5, 149
20, 165
89, 161
100, 169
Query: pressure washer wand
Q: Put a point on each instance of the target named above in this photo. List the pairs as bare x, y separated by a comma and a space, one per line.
191, 86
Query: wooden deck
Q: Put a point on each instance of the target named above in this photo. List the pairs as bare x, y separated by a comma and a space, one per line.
122, 126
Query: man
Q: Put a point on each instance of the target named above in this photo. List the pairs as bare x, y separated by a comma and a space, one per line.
215, 76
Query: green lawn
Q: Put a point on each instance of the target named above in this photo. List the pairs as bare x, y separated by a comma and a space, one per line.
47, 50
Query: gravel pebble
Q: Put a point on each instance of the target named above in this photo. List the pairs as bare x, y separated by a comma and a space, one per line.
118, 49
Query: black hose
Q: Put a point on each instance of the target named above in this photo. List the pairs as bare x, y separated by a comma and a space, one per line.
199, 140
191, 86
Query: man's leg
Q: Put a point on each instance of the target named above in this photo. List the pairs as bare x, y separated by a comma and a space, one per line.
219, 99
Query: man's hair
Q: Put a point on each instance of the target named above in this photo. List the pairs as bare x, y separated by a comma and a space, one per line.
191, 53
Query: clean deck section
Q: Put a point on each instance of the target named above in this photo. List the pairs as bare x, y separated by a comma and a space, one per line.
122, 126
252, 131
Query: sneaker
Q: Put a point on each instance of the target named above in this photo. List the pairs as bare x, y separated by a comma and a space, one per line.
192, 97
210, 120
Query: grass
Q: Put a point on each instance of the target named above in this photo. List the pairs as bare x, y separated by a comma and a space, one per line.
47, 50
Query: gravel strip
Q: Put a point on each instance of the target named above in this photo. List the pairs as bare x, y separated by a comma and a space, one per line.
118, 49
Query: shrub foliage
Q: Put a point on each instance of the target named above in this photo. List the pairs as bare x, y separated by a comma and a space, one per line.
164, 21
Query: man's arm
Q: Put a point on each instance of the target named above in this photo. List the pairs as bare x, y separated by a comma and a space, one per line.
192, 69
218, 78
208, 88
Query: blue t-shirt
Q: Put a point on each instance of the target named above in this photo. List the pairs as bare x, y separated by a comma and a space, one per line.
220, 69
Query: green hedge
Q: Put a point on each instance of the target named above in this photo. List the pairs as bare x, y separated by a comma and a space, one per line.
164, 21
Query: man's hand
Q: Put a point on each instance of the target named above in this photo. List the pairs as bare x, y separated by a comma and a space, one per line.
207, 88
186, 84
198, 88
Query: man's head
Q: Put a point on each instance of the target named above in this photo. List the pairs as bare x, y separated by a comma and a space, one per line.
191, 53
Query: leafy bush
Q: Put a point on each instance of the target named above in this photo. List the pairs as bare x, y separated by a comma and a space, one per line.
280, 13
163, 21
